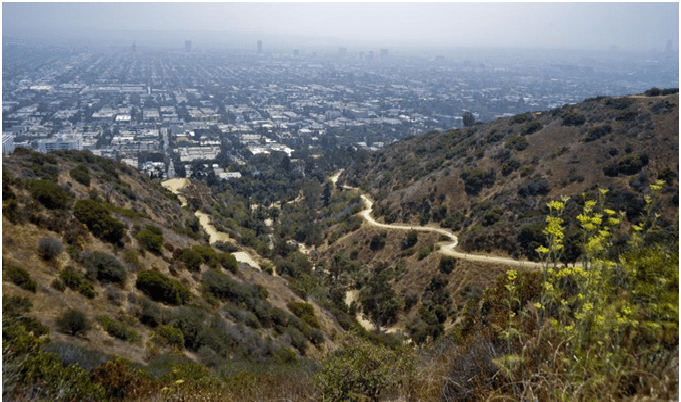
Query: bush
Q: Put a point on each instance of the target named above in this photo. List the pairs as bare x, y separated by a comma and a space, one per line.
305, 312
632, 164
595, 133
50, 194
518, 143
161, 288
192, 259
81, 174
574, 119
535, 187
21, 278
170, 335
73, 322
225, 288
533, 128
424, 252
151, 239
86, 289
118, 329
362, 371
71, 278
100, 222
410, 240
228, 262
475, 179
104, 267
48, 248
447, 264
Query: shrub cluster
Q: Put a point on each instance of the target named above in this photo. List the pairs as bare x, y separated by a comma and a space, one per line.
573, 119
104, 267
100, 222
50, 194
73, 322
151, 239
595, 133
517, 142
475, 179
118, 329
81, 174
161, 288
74, 281
20, 277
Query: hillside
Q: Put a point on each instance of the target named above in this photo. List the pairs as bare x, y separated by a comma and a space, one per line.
116, 288
490, 183
88, 234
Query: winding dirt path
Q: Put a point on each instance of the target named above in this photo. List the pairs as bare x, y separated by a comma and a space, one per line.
176, 185
446, 247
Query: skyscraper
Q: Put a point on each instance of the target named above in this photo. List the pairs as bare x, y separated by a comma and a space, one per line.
187, 46
134, 47
259, 46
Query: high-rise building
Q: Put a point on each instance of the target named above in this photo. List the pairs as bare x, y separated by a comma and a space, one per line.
134, 47
342, 51
384, 54
259, 46
371, 55
187, 46
670, 46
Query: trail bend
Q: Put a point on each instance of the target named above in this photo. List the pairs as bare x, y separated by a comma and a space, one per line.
445, 247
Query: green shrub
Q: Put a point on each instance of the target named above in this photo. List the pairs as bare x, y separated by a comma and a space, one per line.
410, 240
533, 128
170, 336
305, 312
595, 133
192, 259
71, 278
228, 262
225, 288
118, 329
362, 371
58, 284
517, 142
73, 322
574, 119
475, 179
16, 305
50, 194
21, 278
632, 164
151, 239
48, 248
100, 222
161, 288
104, 267
81, 174
424, 252
86, 289
298, 340
447, 264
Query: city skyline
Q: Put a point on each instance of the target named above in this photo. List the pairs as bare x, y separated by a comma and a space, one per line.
584, 26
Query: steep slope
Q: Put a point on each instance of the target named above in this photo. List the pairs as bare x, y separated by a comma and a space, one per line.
86, 230
491, 182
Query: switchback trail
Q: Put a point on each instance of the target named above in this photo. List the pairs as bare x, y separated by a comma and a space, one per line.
446, 247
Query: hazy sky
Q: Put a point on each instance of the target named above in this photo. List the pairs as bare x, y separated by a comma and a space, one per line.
631, 26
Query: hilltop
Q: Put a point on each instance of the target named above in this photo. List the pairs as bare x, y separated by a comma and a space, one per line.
490, 182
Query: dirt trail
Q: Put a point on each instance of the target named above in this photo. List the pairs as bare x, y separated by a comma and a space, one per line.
446, 247
177, 184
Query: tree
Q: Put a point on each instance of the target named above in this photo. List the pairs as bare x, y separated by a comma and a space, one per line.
468, 119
